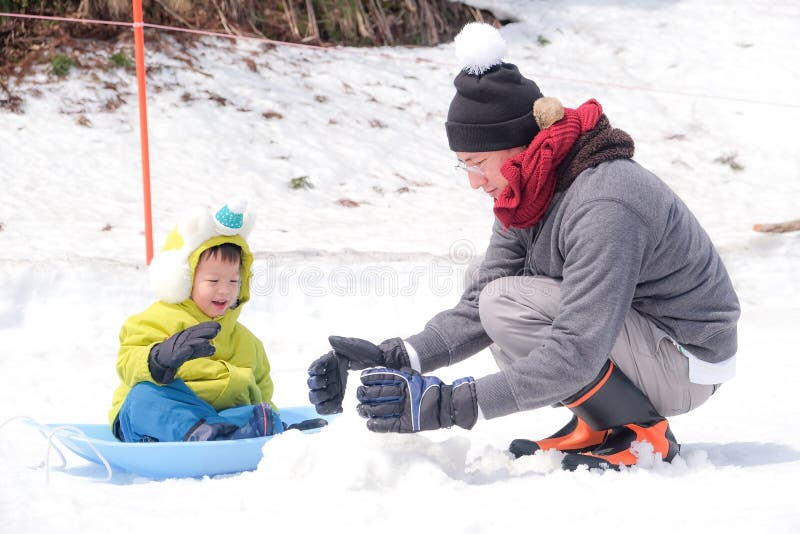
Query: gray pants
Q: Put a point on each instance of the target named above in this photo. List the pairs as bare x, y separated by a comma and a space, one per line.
518, 311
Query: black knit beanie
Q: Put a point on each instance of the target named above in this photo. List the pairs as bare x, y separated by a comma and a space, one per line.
493, 105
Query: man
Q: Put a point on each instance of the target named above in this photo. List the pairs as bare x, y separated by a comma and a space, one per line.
599, 290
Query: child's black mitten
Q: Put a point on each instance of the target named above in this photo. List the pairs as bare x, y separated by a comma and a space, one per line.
194, 342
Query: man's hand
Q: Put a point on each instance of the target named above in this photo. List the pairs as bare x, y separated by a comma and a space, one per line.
361, 354
194, 342
327, 376
327, 379
405, 401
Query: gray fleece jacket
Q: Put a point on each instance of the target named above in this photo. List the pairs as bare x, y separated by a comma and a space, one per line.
618, 238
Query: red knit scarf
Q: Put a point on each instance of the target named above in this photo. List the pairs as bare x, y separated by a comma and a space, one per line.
531, 174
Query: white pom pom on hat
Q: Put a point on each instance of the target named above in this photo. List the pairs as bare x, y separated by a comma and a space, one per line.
479, 47
491, 109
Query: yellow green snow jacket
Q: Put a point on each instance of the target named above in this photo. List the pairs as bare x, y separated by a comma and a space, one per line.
237, 374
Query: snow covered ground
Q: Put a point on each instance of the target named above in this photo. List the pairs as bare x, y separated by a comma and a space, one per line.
703, 87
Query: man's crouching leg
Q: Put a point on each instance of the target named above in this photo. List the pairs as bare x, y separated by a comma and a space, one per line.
518, 312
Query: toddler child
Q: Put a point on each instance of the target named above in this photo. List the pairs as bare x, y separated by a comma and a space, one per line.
189, 370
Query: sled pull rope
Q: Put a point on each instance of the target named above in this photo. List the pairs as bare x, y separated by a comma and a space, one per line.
80, 433
32, 422
49, 437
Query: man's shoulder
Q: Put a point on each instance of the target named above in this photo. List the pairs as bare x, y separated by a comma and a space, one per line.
623, 181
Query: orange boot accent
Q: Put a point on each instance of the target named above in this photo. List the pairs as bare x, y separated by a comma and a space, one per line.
576, 436
616, 451
581, 438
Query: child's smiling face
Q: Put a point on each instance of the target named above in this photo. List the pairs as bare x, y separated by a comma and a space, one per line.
216, 285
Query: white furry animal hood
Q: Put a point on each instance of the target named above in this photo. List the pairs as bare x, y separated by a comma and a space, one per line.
171, 272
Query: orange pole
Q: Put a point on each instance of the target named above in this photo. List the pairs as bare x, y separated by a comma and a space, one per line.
138, 37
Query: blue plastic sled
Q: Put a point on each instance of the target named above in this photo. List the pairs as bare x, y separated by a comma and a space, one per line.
170, 459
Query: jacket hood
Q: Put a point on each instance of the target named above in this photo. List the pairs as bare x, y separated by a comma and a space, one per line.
247, 262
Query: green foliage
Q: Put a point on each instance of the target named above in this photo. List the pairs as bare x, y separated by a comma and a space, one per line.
10, 6
60, 64
121, 60
301, 182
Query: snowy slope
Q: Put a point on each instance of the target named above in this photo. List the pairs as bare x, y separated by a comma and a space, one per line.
693, 82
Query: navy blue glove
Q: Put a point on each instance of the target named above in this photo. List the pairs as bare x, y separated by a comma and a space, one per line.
194, 342
405, 401
327, 375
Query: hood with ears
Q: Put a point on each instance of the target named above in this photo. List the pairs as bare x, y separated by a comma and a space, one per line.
171, 272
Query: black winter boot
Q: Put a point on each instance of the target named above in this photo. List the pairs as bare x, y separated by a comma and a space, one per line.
203, 431
613, 402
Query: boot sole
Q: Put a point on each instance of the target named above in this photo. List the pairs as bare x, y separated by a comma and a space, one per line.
526, 447
572, 462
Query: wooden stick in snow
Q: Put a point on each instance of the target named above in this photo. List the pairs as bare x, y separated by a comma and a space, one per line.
788, 226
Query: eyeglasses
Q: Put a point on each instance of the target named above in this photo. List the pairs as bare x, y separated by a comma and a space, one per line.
469, 168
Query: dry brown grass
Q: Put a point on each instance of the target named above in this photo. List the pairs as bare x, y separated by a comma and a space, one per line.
24, 43
353, 22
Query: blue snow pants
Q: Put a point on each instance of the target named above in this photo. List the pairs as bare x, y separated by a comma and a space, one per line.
167, 413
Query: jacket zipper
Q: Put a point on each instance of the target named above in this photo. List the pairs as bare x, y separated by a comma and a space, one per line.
531, 243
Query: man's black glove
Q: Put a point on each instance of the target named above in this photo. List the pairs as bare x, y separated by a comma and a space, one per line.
405, 401
361, 354
327, 376
194, 342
